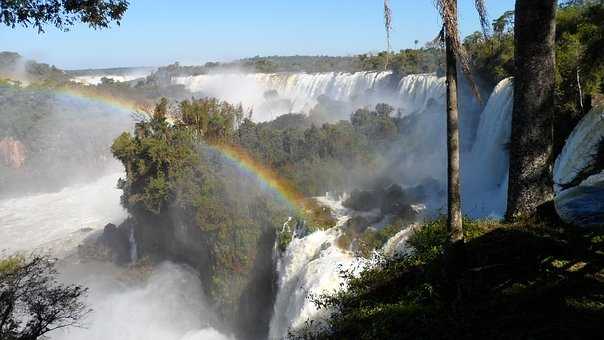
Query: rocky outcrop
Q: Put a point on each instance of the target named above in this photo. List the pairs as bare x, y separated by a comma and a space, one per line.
12, 153
579, 173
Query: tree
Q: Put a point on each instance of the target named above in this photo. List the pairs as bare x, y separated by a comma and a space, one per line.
455, 54
531, 147
32, 302
503, 24
61, 13
454, 220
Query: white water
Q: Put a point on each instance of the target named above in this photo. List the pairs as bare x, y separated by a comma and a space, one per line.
580, 147
582, 204
301, 90
485, 168
96, 79
310, 266
54, 221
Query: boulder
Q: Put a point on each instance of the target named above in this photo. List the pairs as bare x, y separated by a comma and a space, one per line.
394, 200
363, 200
357, 224
115, 240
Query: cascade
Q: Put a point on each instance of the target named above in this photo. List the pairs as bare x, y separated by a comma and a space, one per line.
579, 186
485, 167
132, 246
310, 266
301, 90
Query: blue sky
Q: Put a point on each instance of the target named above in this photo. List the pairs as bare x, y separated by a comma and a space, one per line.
195, 31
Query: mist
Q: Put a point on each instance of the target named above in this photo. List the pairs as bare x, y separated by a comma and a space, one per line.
160, 303
65, 140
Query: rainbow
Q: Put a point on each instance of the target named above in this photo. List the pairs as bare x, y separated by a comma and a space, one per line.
101, 98
280, 186
235, 155
93, 95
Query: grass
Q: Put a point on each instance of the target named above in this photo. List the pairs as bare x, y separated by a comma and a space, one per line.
534, 279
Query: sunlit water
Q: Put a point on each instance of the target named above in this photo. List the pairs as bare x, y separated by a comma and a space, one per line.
59, 221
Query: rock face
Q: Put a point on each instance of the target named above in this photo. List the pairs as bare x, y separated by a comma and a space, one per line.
116, 241
579, 173
12, 153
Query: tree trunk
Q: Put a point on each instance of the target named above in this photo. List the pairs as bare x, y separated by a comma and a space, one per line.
454, 222
531, 146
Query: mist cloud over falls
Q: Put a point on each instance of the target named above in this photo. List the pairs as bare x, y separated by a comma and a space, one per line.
166, 305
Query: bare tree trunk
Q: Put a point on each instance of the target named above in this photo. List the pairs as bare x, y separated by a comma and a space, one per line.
454, 221
531, 146
579, 89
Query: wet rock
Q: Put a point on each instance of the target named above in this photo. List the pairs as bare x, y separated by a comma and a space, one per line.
115, 241
363, 200
357, 224
394, 200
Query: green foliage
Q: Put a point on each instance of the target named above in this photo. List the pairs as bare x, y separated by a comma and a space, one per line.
529, 280
213, 119
404, 62
11, 263
429, 240
15, 67
372, 240
61, 14
579, 64
314, 158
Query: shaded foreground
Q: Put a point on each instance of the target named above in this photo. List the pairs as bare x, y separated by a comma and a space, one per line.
534, 279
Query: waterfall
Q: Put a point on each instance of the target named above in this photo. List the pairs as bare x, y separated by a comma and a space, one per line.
132, 246
485, 167
579, 193
297, 92
310, 266
419, 91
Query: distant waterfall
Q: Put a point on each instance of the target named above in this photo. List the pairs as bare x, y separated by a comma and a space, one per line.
302, 90
416, 92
